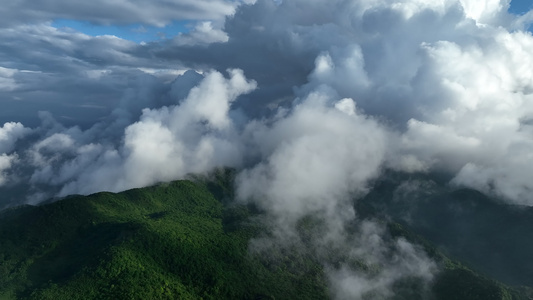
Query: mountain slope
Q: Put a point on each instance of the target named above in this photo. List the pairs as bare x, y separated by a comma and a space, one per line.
183, 240
168, 241
489, 234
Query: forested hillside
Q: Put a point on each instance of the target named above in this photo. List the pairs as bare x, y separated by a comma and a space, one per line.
182, 240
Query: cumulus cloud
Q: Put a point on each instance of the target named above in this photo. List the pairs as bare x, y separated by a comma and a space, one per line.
193, 136
314, 154
5, 163
487, 97
10, 133
457, 92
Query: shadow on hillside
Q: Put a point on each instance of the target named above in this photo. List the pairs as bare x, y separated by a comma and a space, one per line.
84, 251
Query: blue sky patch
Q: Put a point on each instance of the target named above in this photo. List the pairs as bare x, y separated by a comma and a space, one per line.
133, 32
520, 7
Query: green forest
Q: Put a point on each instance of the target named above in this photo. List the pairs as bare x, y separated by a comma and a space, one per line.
186, 239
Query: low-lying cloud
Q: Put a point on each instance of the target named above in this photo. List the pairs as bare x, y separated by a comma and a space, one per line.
193, 136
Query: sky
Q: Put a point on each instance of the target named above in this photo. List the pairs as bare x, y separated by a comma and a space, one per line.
310, 101
520, 6
138, 33
141, 32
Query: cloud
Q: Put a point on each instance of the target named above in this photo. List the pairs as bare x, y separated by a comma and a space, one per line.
314, 160
334, 93
7, 83
67, 73
395, 260
10, 133
169, 142
454, 97
5, 163
157, 13
482, 126
202, 34
306, 163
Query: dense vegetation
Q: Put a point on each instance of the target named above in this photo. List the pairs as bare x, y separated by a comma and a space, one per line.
180, 240
492, 236
168, 241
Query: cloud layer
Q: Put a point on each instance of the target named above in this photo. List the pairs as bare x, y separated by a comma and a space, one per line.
157, 13
193, 136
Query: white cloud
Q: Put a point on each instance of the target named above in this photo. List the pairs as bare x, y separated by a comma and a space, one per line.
166, 143
5, 163
311, 157
484, 99
202, 34
483, 11
452, 77
9, 134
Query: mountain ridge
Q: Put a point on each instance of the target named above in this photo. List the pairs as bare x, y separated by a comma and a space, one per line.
184, 239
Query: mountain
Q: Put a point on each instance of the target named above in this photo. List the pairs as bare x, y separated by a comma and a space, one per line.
493, 237
181, 240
